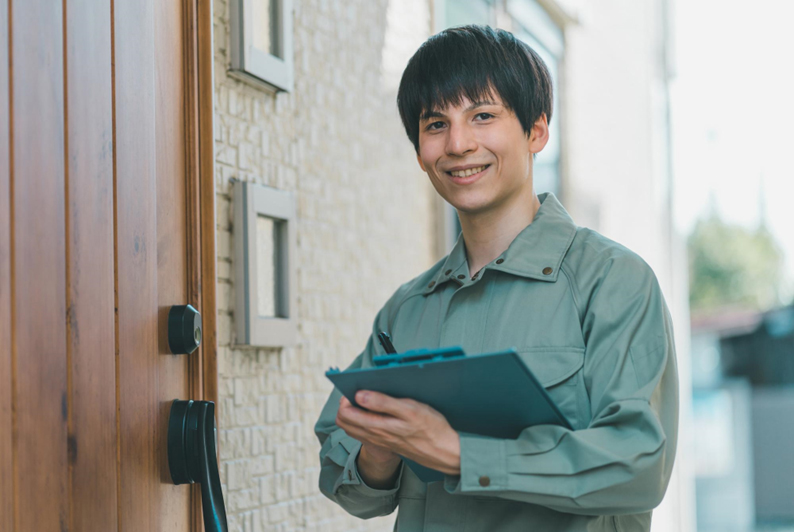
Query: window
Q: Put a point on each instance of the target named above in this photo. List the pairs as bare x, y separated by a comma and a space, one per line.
534, 26
460, 12
261, 42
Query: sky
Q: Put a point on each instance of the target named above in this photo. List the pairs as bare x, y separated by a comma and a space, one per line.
732, 105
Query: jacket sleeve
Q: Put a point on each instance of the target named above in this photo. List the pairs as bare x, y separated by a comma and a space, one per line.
621, 463
339, 477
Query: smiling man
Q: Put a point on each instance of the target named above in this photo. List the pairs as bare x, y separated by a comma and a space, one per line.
586, 315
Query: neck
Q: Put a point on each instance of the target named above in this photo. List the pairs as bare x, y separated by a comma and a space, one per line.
488, 234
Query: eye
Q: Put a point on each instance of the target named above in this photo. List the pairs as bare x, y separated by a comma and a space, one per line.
432, 126
485, 116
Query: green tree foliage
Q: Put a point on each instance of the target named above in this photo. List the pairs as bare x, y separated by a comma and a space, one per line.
730, 266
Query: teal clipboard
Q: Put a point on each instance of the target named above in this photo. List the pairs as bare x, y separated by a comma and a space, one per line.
490, 394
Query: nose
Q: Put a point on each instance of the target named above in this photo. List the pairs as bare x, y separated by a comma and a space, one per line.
460, 140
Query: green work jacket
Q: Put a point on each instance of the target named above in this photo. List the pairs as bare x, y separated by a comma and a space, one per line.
587, 316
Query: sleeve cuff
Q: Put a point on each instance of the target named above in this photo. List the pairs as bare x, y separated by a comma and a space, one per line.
483, 466
352, 479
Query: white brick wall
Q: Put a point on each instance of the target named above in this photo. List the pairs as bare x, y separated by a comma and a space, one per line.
364, 227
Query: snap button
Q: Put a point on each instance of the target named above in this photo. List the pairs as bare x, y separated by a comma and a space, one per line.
485, 482
461, 276
432, 284
447, 272
499, 261
547, 271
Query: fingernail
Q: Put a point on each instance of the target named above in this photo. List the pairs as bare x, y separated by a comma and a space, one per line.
363, 397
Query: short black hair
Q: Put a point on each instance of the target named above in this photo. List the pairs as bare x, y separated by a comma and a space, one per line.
473, 61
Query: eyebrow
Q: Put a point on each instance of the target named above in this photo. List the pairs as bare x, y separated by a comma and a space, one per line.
438, 114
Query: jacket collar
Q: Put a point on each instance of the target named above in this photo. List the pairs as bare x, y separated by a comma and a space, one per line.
536, 252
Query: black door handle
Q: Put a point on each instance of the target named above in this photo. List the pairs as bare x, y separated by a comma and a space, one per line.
191, 457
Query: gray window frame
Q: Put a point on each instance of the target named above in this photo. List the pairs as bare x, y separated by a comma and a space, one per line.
273, 72
250, 202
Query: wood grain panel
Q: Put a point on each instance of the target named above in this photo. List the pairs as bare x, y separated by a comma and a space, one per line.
6, 427
91, 298
171, 239
38, 267
136, 264
101, 208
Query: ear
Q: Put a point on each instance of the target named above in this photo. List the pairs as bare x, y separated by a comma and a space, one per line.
539, 134
421, 164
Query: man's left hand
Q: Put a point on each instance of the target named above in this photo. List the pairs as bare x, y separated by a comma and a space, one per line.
406, 427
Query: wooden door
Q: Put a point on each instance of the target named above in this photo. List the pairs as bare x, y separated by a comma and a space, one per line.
106, 221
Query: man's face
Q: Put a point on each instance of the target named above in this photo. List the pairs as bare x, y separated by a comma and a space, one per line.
477, 155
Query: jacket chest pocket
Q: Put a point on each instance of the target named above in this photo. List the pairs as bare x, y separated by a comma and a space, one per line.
561, 372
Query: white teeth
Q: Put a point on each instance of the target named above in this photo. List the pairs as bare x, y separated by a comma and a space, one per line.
470, 171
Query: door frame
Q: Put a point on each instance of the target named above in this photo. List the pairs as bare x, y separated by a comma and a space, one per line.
200, 191
200, 199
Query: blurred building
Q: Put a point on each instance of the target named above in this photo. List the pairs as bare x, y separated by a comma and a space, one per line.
368, 219
743, 401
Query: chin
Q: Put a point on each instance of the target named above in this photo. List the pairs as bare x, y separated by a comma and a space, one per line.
470, 205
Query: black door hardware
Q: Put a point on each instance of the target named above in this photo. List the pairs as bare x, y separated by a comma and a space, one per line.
191, 457
184, 329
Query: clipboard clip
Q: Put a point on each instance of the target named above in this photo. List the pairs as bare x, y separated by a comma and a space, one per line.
418, 355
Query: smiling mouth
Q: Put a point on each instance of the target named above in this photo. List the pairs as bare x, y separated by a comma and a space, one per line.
468, 171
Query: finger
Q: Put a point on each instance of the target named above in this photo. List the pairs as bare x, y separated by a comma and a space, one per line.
347, 408
362, 433
373, 424
349, 414
345, 411
385, 404
364, 418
